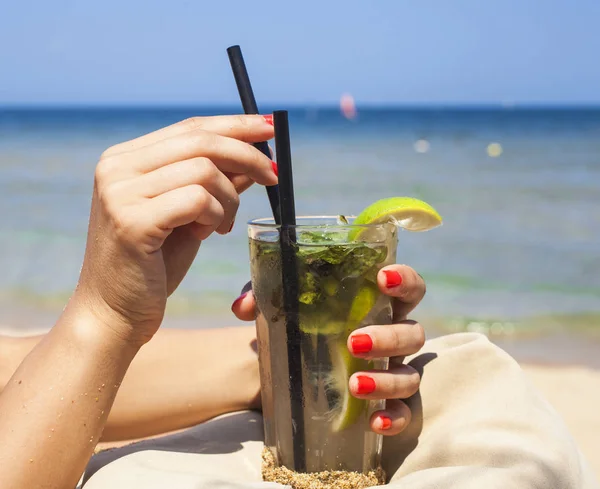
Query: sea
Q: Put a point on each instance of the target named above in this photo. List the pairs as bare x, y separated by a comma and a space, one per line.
517, 257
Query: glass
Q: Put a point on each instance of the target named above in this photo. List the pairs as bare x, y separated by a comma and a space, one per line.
337, 266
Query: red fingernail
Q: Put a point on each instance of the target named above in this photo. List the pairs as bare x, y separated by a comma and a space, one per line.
361, 343
275, 170
392, 279
268, 119
238, 300
366, 385
231, 227
386, 423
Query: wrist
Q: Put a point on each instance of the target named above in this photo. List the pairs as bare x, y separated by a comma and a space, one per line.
95, 321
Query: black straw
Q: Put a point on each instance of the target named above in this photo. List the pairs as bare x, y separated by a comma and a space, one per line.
242, 80
289, 277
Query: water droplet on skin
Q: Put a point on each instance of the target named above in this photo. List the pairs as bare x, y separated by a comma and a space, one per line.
30, 460
52, 430
62, 398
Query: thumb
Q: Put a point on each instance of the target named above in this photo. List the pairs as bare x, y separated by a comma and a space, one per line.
244, 307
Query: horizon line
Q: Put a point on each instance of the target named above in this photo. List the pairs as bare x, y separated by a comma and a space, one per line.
305, 106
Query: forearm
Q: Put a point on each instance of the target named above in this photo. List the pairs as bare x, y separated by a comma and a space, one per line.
178, 379
53, 409
183, 377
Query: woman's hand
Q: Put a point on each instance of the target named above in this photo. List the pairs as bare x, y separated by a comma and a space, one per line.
396, 341
155, 199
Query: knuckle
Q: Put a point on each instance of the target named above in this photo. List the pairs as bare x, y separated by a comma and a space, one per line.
107, 153
234, 201
204, 140
419, 335
242, 120
418, 288
191, 123
404, 413
413, 379
398, 340
122, 221
104, 169
199, 196
258, 158
410, 382
108, 195
203, 169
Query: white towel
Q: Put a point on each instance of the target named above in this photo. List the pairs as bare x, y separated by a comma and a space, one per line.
477, 423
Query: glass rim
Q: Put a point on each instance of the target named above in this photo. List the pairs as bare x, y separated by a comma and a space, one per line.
269, 223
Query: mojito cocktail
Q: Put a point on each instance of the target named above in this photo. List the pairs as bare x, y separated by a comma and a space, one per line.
337, 266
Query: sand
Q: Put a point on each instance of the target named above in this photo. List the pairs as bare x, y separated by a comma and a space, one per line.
321, 480
575, 393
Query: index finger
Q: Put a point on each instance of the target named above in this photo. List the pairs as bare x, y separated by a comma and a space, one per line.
405, 285
247, 128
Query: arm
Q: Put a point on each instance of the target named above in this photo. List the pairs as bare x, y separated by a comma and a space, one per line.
184, 377
155, 200
167, 387
54, 407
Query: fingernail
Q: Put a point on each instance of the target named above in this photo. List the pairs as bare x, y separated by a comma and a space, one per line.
386, 423
361, 343
392, 279
238, 300
268, 119
275, 169
231, 227
366, 385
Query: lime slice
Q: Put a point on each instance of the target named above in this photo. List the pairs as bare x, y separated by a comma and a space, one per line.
361, 305
405, 212
314, 324
348, 408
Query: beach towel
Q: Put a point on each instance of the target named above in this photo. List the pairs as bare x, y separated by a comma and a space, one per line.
477, 422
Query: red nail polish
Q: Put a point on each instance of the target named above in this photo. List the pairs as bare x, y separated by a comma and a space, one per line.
392, 279
238, 300
366, 385
268, 119
231, 227
275, 169
361, 343
386, 423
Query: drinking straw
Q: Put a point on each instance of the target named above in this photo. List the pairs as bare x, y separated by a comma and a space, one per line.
242, 80
289, 277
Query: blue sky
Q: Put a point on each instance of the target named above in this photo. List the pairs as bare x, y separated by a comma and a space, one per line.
300, 51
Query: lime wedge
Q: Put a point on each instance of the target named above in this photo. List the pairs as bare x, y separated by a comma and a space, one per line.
348, 408
315, 324
361, 305
405, 212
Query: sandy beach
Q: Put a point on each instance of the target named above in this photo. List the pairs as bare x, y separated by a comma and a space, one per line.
575, 393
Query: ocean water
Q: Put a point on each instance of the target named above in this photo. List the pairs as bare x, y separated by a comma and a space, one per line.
519, 250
